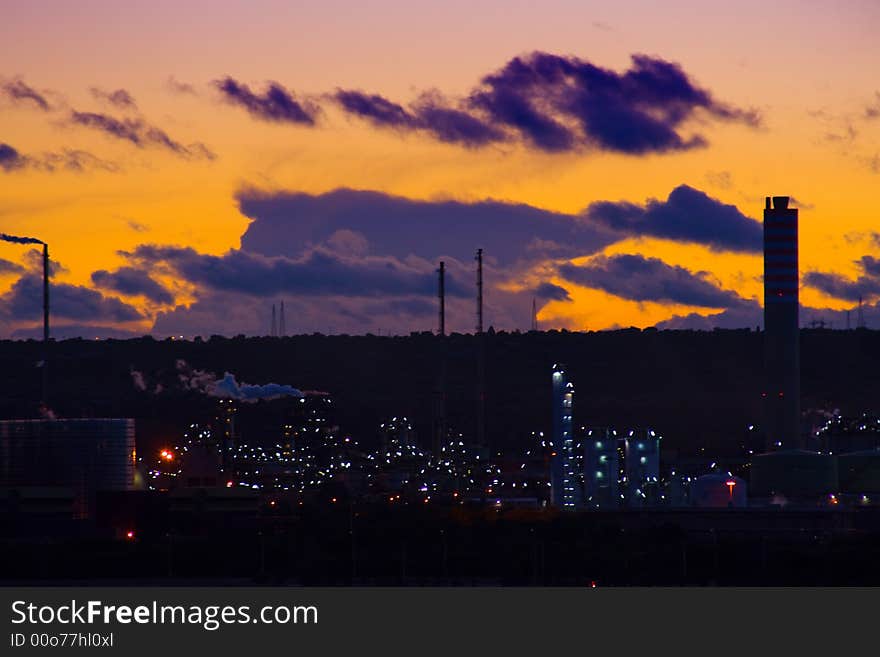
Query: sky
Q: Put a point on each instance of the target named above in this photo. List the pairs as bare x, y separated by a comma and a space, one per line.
192, 163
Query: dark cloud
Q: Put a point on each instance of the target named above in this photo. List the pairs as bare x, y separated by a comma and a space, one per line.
276, 104
77, 161
137, 226
19, 92
132, 282
560, 104
318, 272
751, 315
455, 126
687, 215
139, 133
288, 223
10, 158
8, 267
428, 114
119, 98
24, 301
375, 108
866, 286
638, 278
747, 314
551, 292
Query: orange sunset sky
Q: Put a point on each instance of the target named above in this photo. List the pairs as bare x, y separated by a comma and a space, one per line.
794, 109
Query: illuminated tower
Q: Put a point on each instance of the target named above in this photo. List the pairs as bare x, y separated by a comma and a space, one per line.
565, 488
781, 335
225, 430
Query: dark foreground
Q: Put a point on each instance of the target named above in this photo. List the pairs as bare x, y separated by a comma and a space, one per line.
459, 546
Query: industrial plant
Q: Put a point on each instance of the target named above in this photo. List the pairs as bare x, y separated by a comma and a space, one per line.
238, 460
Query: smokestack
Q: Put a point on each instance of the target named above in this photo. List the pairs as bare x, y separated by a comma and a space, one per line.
479, 260
46, 324
15, 239
481, 357
781, 325
273, 329
282, 329
534, 315
441, 295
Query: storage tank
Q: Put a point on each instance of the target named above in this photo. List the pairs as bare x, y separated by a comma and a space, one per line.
85, 455
719, 490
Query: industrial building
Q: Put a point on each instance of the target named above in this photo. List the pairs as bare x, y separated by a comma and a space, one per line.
565, 484
601, 469
85, 456
642, 468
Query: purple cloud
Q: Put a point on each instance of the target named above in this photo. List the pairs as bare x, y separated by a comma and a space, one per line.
132, 282
562, 104
638, 278
276, 104
19, 92
77, 161
139, 133
24, 302
119, 98
687, 215
429, 114
866, 286
551, 292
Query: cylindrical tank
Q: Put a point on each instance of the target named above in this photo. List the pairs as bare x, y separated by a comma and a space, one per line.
719, 490
84, 455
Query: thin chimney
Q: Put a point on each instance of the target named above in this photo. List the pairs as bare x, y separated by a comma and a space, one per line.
441, 295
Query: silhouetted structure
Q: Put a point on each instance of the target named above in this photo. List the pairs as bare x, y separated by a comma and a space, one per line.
45, 324
481, 357
438, 430
85, 456
781, 330
564, 485
441, 296
601, 469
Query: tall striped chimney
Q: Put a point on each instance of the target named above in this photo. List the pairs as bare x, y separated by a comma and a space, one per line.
781, 327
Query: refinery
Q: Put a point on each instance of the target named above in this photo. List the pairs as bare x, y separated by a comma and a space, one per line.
242, 462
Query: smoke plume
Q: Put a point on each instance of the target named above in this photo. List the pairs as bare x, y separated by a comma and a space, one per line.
20, 240
228, 387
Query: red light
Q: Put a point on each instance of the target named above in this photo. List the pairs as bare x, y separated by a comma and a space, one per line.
333, 499
593, 584
129, 535
229, 484
166, 455
730, 484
